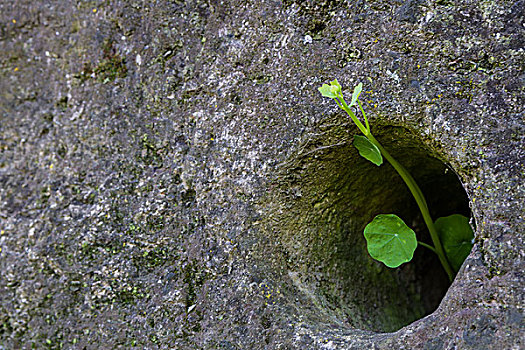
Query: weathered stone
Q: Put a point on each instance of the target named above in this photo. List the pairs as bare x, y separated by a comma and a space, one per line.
171, 177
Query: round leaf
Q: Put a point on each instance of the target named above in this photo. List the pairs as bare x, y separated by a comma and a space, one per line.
456, 236
390, 240
368, 150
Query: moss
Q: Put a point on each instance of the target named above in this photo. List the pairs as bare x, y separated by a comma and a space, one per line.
111, 67
159, 256
129, 295
151, 153
62, 103
92, 250
194, 277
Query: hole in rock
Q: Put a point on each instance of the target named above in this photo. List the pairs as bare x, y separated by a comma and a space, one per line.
327, 195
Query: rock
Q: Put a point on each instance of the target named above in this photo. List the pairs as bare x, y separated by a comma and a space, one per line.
171, 177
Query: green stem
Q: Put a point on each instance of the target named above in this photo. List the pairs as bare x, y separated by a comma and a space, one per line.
421, 202
364, 116
427, 246
409, 181
347, 109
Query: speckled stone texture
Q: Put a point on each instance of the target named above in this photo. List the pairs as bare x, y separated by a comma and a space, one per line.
170, 177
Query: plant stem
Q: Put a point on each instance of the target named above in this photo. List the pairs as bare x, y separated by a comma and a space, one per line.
426, 246
342, 104
364, 116
421, 202
409, 181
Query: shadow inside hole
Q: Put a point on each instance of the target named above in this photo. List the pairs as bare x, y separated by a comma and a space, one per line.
326, 198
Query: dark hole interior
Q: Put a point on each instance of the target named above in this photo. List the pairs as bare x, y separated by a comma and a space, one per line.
327, 195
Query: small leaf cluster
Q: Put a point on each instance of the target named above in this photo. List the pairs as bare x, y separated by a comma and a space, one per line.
333, 90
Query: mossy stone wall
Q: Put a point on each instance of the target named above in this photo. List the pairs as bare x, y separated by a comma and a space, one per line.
170, 176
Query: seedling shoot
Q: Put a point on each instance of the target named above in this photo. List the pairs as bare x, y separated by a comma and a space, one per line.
388, 238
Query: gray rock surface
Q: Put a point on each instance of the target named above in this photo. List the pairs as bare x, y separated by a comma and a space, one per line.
170, 177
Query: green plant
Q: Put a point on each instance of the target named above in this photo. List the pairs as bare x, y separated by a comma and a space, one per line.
388, 238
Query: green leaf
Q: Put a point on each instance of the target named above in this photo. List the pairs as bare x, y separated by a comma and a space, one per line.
355, 95
333, 90
336, 84
368, 150
390, 240
327, 91
456, 236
